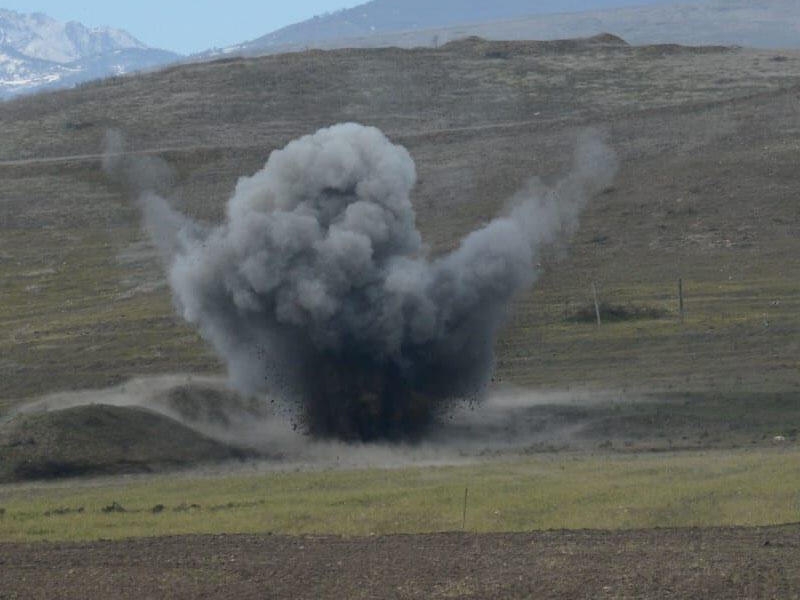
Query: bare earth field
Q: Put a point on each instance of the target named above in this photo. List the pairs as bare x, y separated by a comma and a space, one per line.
662, 563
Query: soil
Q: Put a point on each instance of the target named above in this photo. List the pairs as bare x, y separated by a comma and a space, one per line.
696, 563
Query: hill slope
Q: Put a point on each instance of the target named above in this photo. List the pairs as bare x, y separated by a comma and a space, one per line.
380, 17
753, 23
707, 139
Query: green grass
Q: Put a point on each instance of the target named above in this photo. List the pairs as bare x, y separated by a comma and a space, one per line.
571, 491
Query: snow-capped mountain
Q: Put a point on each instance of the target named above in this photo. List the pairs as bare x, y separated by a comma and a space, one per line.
38, 52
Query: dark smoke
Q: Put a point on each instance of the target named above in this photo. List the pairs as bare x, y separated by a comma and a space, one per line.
316, 288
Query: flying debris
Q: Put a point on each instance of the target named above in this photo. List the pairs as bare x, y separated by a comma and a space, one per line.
317, 289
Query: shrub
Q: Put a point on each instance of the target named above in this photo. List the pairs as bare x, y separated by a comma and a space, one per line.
612, 313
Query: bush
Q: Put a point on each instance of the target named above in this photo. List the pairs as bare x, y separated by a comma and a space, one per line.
612, 313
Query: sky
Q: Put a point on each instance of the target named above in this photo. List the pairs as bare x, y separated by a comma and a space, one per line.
185, 26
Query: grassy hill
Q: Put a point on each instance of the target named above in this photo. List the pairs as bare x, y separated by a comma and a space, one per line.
707, 192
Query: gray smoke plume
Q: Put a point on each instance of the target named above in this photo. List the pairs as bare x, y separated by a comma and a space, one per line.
316, 287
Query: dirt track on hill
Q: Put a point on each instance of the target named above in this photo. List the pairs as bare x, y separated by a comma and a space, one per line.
697, 563
400, 135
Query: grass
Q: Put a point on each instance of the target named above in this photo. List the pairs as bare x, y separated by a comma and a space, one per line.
557, 491
81, 307
736, 336
73, 312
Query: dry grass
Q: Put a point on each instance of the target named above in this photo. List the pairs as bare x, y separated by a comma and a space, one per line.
707, 192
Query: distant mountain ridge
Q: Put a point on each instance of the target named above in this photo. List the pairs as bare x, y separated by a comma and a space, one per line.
380, 17
408, 23
38, 52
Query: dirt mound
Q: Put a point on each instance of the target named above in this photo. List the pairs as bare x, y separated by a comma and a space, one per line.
604, 42
198, 404
100, 440
502, 49
656, 50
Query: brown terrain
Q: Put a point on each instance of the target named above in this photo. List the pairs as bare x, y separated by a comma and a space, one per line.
709, 143
662, 563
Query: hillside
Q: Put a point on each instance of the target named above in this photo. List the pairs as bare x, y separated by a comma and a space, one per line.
751, 23
707, 139
380, 17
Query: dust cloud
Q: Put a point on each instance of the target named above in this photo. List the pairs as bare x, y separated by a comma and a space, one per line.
317, 288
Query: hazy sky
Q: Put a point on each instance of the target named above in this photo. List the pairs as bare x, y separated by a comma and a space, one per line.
181, 25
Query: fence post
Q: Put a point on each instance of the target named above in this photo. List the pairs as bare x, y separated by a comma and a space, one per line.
596, 304
464, 515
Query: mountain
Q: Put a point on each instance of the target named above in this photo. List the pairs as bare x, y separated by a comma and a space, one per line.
382, 23
38, 52
767, 24
380, 17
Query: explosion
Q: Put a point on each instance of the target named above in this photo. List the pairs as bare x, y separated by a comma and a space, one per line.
317, 288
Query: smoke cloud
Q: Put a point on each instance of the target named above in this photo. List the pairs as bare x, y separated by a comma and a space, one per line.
317, 289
